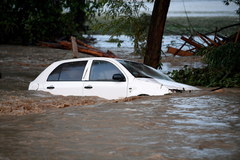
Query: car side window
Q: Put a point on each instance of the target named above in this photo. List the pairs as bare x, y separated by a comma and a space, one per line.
72, 71
103, 71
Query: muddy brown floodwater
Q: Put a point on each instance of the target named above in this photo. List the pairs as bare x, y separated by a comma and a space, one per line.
184, 126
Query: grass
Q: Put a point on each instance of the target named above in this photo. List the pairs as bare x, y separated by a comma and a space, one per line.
180, 25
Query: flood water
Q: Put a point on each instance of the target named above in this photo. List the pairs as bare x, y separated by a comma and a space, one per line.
34, 125
202, 125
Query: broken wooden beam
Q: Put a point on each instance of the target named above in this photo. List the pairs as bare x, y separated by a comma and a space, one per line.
84, 44
180, 49
74, 47
207, 40
218, 40
79, 47
178, 52
192, 42
204, 39
49, 44
94, 52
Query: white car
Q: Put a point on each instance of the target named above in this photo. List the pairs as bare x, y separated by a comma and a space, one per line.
108, 78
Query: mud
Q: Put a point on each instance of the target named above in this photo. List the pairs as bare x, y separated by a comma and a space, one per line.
36, 125
31, 102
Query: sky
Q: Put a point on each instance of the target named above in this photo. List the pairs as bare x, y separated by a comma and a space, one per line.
198, 8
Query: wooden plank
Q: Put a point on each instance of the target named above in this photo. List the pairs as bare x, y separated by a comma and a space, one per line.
74, 47
191, 42
84, 44
191, 50
180, 48
204, 39
82, 47
219, 40
176, 51
94, 52
49, 44
65, 44
209, 39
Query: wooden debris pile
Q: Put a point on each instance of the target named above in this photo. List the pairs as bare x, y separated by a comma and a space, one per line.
77, 46
194, 43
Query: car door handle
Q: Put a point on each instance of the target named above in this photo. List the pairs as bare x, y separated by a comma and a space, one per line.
50, 87
88, 87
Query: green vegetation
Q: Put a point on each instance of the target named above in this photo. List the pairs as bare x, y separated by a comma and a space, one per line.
115, 40
180, 25
135, 27
174, 25
223, 68
29, 21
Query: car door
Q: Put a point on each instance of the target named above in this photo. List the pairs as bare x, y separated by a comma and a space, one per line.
106, 81
66, 79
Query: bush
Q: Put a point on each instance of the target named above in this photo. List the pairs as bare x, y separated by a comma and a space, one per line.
225, 57
29, 21
223, 68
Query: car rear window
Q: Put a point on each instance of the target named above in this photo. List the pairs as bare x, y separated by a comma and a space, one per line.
71, 71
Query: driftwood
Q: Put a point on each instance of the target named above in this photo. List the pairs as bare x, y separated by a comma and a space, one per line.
74, 47
84, 44
218, 40
195, 46
207, 40
192, 42
176, 51
81, 47
67, 45
50, 44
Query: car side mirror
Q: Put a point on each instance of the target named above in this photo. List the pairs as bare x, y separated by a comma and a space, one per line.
118, 77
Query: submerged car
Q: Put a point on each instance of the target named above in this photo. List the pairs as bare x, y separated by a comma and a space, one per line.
108, 78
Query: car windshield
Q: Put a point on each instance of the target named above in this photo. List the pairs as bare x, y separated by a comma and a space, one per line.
140, 70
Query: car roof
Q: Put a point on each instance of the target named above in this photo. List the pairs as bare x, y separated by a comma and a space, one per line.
86, 58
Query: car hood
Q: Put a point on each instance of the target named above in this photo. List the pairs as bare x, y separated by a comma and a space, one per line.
176, 85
